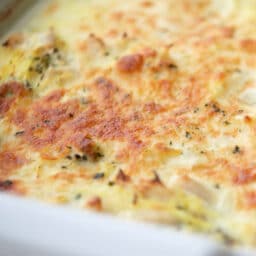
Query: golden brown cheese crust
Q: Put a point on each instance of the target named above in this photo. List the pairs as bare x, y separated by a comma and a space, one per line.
136, 110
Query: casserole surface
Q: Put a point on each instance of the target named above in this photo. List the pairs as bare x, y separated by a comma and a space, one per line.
135, 109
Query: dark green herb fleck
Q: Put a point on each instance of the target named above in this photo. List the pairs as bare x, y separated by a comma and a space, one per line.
216, 108
84, 157
98, 155
236, 150
19, 133
196, 110
99, 175
156, 178
188, 135
78, 196
78, 157
217, 186
111, 183
28, 85
172, 66
55, 50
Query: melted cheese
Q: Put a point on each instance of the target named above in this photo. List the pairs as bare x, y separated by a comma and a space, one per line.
143, 109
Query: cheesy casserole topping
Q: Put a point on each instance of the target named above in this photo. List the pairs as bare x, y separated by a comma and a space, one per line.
144, 109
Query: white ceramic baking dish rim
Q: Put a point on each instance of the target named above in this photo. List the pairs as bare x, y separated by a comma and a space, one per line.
45, 230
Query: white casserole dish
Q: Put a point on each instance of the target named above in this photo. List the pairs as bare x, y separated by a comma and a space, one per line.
29, 228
